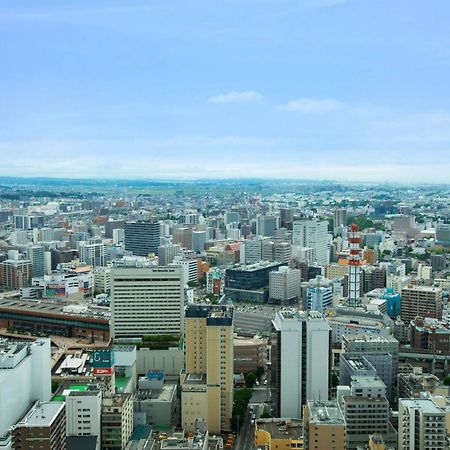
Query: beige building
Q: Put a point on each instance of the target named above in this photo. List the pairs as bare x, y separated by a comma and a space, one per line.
333, 271
424, 301
323, 425
278, 434
207, 382
249, 354
117, 421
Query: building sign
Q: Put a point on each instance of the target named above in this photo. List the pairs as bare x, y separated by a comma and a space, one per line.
103, 370
103, 359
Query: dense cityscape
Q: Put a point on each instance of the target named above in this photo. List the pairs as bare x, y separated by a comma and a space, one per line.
237, 314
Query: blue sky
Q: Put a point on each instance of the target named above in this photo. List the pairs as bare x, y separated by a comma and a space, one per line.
318, 89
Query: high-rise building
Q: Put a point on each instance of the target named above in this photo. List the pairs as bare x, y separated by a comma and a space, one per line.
285, 284
117, 421
313, 234
276, 250
424, 301
112, 225
183, 237
319, 294
142, 238
303, 374
36, 256
207, 382
25, 377
198, 241
167, 253
366, 411
146, 300
323, 425
266, 225
26, 222
339, 219
43, 427
92, 252
421, 425
443, 234
16, 273
251, 252
83, 417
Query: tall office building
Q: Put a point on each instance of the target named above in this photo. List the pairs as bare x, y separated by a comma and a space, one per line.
117, 421
207, 382
142, 238
27, 222
25, 377
36, 256
167, 253
183, 237
421, 425
285, 284
266, 225
43, 427
443, 234
83, 418
300, 356
423, 301
366, 412
339, 219
146, 300
251, 251
313, 234
92, 252
276, 250
198, 241
16, 273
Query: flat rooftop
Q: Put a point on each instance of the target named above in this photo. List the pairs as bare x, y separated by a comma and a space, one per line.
426, 405
42, 414
50, 308
281, 428
195, 378
325, 412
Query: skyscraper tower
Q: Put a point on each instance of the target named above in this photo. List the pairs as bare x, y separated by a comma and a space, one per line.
354, 267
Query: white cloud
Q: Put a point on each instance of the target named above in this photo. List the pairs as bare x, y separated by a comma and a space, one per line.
236, 97
310, 105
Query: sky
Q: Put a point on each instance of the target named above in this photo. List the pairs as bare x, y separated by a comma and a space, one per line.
347, 90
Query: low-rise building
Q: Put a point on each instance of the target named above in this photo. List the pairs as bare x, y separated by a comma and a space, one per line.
278, 434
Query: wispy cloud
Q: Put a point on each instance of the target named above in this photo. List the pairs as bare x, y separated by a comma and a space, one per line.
311, 105
236, 97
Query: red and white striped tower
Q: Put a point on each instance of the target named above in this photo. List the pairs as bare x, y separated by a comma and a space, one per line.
354, 267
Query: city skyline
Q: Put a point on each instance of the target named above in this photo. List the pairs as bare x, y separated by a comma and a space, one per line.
318, 90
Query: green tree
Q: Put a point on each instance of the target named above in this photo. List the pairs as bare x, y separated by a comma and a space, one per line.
447, 380
334, 379
250, 379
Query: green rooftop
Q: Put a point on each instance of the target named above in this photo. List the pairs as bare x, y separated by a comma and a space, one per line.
122, 383
77, 387
58, 398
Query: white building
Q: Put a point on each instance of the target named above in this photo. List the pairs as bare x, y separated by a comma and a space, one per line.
190, 269
314, 234
92, 252
251, 251
299, 339
421, 425
83, 413
102, 279
147, 300
198, 241
285, 284
118, 236
319, 294
25, 377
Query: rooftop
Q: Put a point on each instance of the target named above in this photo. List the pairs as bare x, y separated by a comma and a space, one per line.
426, 405
325, 412
41, 414
281, 428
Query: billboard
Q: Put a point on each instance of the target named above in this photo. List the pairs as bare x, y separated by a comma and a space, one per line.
103, 370
103, 359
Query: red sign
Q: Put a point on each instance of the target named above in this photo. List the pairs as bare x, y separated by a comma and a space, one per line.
103, 370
